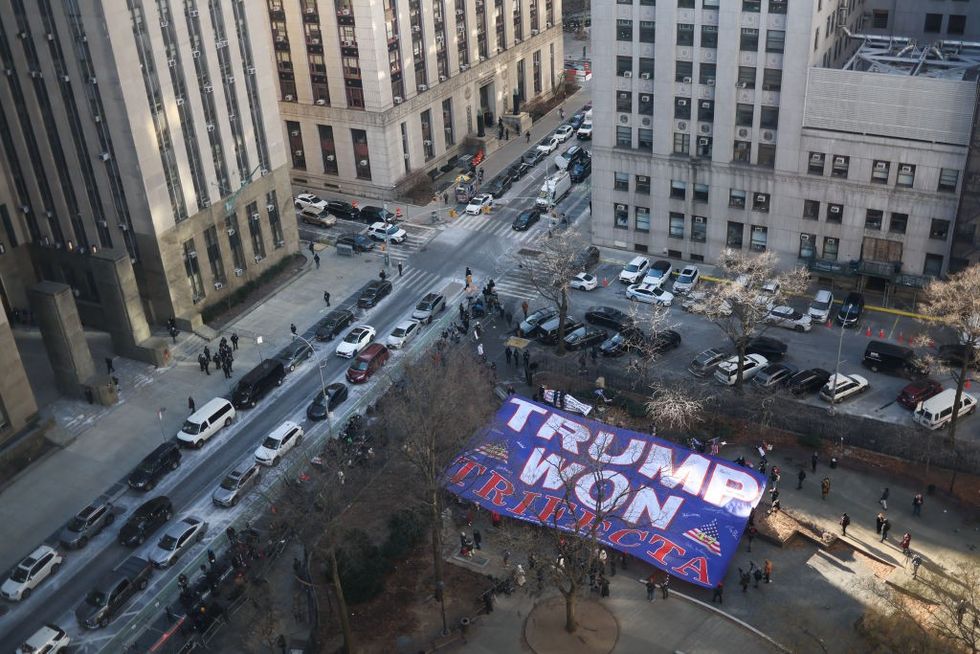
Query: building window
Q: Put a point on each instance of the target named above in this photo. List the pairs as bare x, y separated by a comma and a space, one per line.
767, 155
328, 150
835, 213
624, 137
830, 248
642, 215
777, 6
685, 34
706, 111
704, 147
685, 4
678, 189
675, 226
624, 101
734, 237
956, 24
428, 145
700, 192
447, 122
879, 20
898, 222
751, 5
760, 202
362, 155
746, 77
647, 67
642, 184
706, 74
682, 108
742, 152
683, 72
275, 224
296, 145
709, 36
699, 229
214, 254
808, 246
873, 219
939, 229
749, 39
648, 31
621, 216
775, 40
645, 105
235, 241
193, 270
624, 65
624, 29
744, 113
759, 238
933, 266
736, 198
621, 181
906, 176
682, 143
933, 24
769, 118
840, 167
255, 231
879, 171
772, 79
948, 178
644, 139
816, 163
811, 210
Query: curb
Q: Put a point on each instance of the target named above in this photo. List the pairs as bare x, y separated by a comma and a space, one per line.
732, 618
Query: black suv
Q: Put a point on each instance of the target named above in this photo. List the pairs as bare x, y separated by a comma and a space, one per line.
371, 215
359, 242
376, 291
498, 186
525, 219
772, 349
851, 309
145, 520
586, 258
335, 322
157, 463
343, 209
608, 317
808, 381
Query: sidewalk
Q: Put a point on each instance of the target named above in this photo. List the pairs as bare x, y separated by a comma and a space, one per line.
101, 444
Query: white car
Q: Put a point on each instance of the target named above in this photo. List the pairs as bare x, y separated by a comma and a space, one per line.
380, 231
356, 340
658, 273
277, 444
478, 202
840, 387
634, 270
564, 133
35, 568
307, 200
789, 318
548, 145
179, 537
727, 371
584, 281
585, 131
767, 296
403, 332
650, 294
689, 278
49, 639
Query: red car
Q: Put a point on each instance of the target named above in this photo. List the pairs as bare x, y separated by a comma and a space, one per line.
918, 391
367, 363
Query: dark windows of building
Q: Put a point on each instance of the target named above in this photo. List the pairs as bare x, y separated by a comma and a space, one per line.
933, 266
933, 24
898, 223
645, 107
906, 176
840, 166
811, 210
701, 192
753, 6
214, 255
675, 225
760, 202
193, 270
709, 36
772, 79
835, 213
682, 108
678, 189
296, 150
621, 216
699, 229
621, 182
777, 6
648, 31
746, 77
939, 229
733, 238
685, 34
328, 149
642, 217
706, 74
769, 118
255, 231
767, 155
830, 247
775, 40
749, 39
624, 66
816, 163
956, 24
758, 238
447, 122
275, 222
873, 219
683, 72
642, 183
624, 137
736, 198
948, 178
744, 114
808, 248
624, 101
428, 146
742, 152
624, 29
880, 171
706, 110
644, 139
362, 155
879, 21
235, 241
647, 66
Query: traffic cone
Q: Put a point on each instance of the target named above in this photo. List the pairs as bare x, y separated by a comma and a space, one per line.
829, 323
398, 212
605, 282
868, 331
966, 384
354, 204
900, 337
881, 333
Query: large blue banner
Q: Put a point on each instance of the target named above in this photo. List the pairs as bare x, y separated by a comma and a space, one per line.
679, 510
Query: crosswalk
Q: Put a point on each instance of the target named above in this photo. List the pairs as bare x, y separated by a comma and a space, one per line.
418, 237
497, 225
514, 284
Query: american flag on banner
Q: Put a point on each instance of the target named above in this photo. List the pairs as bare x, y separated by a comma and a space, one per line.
706, 535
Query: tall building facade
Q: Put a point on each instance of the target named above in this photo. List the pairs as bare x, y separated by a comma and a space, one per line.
833, 132
373, 94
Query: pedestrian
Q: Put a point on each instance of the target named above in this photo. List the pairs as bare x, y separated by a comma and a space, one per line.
383, 275
445, 198
883, 500
399, 268
340, 477
524, 307
664, 585
477, 538
207, 352
885, 528
292, 328
312, 251
762, 467
916, 562
234, 341
879, 520
744, 579
774, 492
506, 558
825, 487
507, 354
767, 571
226, 368
603, 587
845, 520
479, 351
527, 359
200, 361
109, 368
561, 113
173, 334
905, 542
917, 505
813, 461
651, 589
520, 578
774, 508
316, 260
800, 477
750, 533
757, 575
326, 297
590, 205
717, 593
190, 404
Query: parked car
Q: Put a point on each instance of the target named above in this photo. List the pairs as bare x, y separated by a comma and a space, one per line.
146, 519
499, 185
586, 258
49, 639
584, 282
808, 381
770, 348
403, 332
608, 317
334, 322
584, 338
789, 318
774, 375
727, 371
820, 307
518, 171
87, 524
257, 383
154, 466
478, 203
216, 414
367, 363
525, 219
548, 333
882, 356
316, 217
937, 411
548, 144
381, 231
336, 393
633, 271
110, 594
357, 242
918, 391
342, 209
580, 170
372, 214
294, 355
564, 132
663, 341
840, 387
576, 120
584, 132
533, 156
428, 307
374, 292
851, 309
621, 342
278, 444
237, 483
689, 278
356, 340
531, 325
658, 274
650, 294
307, 200
176, 540
30, 572
705, 362
573, 155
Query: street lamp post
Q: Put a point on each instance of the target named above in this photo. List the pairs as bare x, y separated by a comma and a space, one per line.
319, 369
441, 591
833, 388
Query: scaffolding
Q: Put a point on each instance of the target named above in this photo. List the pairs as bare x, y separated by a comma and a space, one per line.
899, 55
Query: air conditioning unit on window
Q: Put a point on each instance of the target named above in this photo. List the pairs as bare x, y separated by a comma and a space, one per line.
805, 238
627, 73
254, 217
682, 102
362, 163
172, 63
298, 153
250, 70
288, 97
270, 208
180, 102
218, 286
442, 78
906, 170
258, 258
534, 32
423, 87
704, 141
835, 208
644, 98
398, 99
427, 143
620, 207
192, 13
881, 165
330, 157
816, 159
210, 127
840, 161
698, 220
761, 198
463, 68
710, 81
547, 25
687, 80
644, 75
295, 132
706, 104
104, 156
239, 272
743, 85
208, 88
195, 53
321, 101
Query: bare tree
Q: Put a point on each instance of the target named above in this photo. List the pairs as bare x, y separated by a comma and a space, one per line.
434, 411
740, 307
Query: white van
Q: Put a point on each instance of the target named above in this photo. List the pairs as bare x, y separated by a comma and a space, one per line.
205, 422
820, 307
937, 411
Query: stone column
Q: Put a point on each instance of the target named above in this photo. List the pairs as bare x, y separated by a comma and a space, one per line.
123, 315
61, 329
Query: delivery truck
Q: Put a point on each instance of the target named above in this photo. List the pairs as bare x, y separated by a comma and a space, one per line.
553, 190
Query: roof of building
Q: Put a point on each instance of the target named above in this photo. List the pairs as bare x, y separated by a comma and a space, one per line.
898, 55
